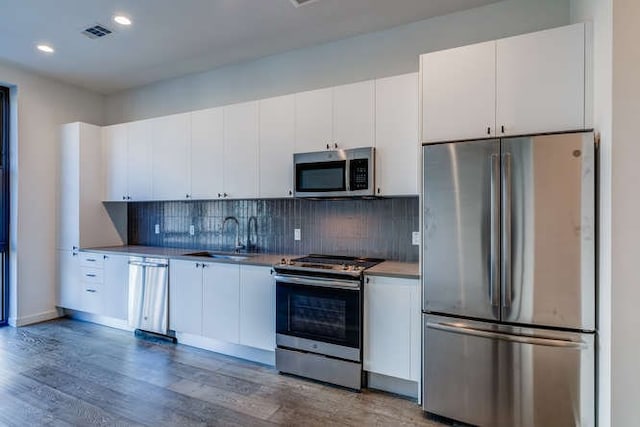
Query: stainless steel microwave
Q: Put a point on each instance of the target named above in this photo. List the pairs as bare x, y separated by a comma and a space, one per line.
336, 173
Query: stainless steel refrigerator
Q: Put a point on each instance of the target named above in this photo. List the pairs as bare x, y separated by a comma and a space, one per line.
509, 281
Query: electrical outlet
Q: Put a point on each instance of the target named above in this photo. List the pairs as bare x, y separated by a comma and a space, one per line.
157, 229
415, 238
192, 230
296, 234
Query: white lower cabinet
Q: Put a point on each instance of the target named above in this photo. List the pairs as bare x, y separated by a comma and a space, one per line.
185, 296
94, 283
392, 344
69, 288
225, 302
221, 302
257, 307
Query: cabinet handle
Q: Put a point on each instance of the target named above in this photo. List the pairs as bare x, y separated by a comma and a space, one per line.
271, 271
335, 145
204, 266
225, 194
489, 130
105, 257
378, 190
502, 128
197, 265
368, 280
74, 254
219, 195
187, 196
91, 260
327, 146
90, 275
290, 193
124, 197
93, 291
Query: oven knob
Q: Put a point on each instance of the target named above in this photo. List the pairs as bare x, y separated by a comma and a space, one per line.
290, 262
283, 261
345, 267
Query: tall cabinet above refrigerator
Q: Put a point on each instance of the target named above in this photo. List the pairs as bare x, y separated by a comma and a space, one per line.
509, 280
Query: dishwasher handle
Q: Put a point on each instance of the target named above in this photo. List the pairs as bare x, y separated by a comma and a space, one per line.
147, 264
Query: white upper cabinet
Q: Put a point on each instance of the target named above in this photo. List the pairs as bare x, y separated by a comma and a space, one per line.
313, 120
277, 138
397, 135
354, 115
533, 83
459, 93
541, 81
171, 178
139, 159
241, 150
207, 151
114, 158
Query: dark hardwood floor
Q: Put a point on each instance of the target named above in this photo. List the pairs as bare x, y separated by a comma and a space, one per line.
67, 372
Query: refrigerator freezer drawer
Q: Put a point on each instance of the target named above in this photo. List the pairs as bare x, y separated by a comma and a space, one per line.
495, 375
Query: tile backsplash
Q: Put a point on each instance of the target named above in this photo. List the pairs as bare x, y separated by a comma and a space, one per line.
375, 228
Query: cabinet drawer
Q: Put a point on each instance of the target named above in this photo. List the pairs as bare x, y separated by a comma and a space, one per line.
92, 297
91, 275
88, 259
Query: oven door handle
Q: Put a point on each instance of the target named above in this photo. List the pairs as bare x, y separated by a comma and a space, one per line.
319, 281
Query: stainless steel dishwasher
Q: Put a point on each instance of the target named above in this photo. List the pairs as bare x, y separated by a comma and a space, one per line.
149, 294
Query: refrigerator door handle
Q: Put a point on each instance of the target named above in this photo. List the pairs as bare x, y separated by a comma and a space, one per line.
494, 233
467, 330
506, 231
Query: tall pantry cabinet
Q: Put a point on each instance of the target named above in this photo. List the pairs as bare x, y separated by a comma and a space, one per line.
82, 218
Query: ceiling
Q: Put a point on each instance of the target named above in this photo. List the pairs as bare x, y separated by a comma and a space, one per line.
170, 38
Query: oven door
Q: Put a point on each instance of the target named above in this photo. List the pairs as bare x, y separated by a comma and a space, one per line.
319, 315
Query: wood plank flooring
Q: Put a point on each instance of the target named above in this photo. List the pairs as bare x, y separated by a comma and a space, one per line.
66, 372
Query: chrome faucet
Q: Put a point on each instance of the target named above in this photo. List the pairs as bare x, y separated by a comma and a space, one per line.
250, 243
238, 244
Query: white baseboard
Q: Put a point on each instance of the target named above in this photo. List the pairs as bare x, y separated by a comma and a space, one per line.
265, 357
101, 320
393, 385
34, 318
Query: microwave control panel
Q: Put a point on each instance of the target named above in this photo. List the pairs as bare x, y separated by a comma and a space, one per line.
359, 174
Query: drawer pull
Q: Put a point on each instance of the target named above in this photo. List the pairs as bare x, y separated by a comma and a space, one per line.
91, 260
93, 291
90, 275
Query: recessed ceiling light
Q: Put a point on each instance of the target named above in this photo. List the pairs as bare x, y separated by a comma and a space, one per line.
45, 48
122, 20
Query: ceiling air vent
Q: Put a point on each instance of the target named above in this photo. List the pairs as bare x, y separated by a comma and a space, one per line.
298, 3
98, 31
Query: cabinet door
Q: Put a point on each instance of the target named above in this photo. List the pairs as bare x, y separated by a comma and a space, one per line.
257, 307
353, 115
387, 326
207, 150
241, 150
68, 230
171, 136
139, 160
116, 285
459, 93
541, 80
277, 130
185, 296
314, 118
69, 289
397, 138
114, 155
221, 302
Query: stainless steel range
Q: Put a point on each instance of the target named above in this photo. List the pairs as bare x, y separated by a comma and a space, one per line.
319, 317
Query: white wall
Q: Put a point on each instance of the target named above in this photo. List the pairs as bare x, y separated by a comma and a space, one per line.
372, 55
625, 217
598, 12
41, 105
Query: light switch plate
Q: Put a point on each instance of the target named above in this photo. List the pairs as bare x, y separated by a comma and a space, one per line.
415, 238
296, 234
157, 229
192, 230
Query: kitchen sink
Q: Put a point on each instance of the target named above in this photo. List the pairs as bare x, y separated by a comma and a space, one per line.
218, 255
